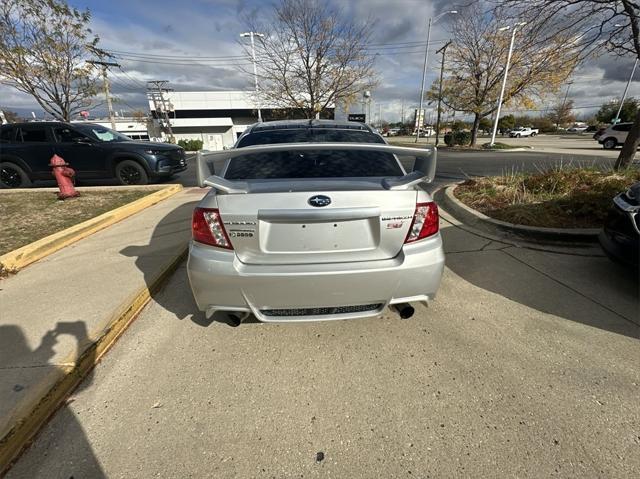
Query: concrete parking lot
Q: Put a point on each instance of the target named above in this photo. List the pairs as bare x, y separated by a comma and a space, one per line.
526, 365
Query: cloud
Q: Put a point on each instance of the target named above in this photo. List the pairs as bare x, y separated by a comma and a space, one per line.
210, 28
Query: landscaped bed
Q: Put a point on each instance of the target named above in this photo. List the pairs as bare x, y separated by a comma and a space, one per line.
557, 198
28, 216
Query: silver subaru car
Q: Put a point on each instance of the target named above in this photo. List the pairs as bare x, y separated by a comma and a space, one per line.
313, 220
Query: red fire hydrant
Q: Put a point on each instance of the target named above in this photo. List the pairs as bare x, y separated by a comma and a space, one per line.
64, 175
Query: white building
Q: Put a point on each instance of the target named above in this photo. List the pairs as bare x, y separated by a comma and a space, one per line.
217, 118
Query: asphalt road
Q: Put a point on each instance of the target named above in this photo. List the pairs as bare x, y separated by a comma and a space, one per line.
525, 365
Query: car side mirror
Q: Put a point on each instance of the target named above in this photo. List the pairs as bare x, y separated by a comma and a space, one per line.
81, 140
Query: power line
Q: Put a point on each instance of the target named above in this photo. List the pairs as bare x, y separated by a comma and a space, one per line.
138, 82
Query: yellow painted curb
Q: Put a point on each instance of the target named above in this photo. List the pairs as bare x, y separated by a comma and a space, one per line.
17, 259
36, 410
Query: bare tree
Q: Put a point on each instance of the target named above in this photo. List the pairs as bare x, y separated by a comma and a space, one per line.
311, 57
476, 62
562, 113
605, 25
10, 116
43, 48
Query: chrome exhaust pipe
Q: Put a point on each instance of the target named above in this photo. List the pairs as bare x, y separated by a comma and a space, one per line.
405, 310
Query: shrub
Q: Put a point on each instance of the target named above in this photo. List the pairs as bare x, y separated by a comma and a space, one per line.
462, 138
190, 145
448, 139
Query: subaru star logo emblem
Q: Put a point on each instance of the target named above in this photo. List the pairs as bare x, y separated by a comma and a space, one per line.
319, 200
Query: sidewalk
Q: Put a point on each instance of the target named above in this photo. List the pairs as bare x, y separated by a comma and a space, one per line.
55, 313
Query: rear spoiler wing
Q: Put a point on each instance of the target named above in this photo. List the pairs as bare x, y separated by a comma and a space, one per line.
424, 169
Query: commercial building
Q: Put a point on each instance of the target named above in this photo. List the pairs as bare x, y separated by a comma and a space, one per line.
217, 118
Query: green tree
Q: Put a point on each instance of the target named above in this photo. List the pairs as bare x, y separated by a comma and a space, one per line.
485, 124
607, 111
43, 48
507, 122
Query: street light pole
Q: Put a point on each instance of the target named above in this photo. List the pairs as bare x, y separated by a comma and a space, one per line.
255, 68
419, 117
624, 95
504, 79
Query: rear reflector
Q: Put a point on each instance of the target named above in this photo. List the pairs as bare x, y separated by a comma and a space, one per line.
207, 228
425, 222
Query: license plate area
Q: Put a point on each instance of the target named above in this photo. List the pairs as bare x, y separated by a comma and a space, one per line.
319, 236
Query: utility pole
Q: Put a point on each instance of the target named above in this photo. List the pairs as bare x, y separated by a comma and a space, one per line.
424, 68
106, 87
402, 114
564, 102
155, 92
624, 95
504, 79
255, 67
444, 51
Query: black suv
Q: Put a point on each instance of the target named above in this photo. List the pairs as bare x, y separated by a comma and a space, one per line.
93, 151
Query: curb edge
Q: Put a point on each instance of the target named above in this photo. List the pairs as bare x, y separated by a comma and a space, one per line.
15, 260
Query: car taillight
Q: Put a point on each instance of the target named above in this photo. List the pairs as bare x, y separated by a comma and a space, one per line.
207, 228
425, 222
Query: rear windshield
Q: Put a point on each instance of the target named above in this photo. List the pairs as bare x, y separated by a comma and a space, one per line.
312, 164
309, 135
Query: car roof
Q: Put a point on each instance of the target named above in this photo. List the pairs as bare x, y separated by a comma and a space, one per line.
37, 123
307, 124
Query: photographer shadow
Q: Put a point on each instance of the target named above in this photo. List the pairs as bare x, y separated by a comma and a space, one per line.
24, 370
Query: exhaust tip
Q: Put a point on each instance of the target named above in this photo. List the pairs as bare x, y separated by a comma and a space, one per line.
405, 310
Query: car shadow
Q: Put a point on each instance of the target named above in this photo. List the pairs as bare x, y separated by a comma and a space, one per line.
589, 290
170, 234
23, 369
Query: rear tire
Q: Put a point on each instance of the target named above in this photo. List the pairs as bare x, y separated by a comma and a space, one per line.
518, 135
129, 172
609, 143
12, 176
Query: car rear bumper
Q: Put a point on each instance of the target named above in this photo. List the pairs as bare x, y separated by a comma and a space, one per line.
313, 292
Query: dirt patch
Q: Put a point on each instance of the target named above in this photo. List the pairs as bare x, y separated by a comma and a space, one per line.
557, 198
29, 216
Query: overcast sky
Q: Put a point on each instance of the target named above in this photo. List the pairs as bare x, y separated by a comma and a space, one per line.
162, 39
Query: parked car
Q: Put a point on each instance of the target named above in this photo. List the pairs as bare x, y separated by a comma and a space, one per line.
314, 220
577, 129
93, 151
614, 135
620, 237
393, 132
599, 132
522, 131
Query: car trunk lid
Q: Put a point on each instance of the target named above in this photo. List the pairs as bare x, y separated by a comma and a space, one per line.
285, 228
